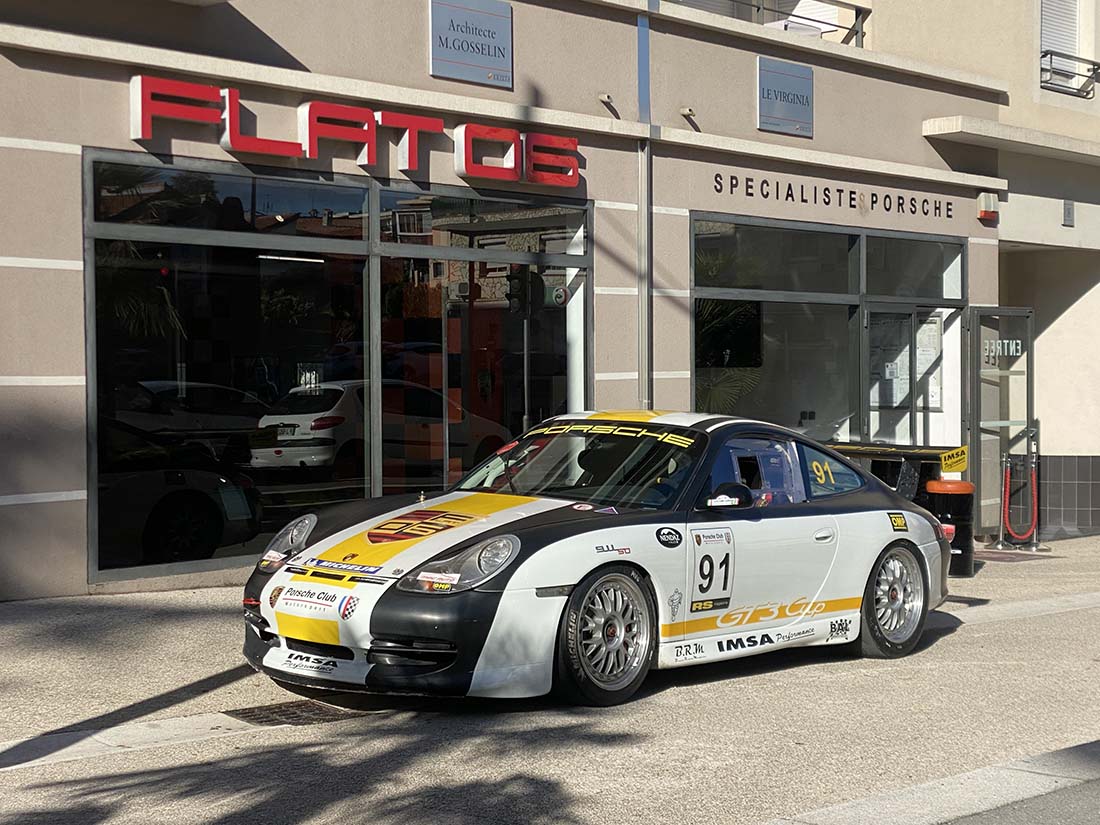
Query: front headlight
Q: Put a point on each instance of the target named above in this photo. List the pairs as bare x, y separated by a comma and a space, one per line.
287, 542
466, 569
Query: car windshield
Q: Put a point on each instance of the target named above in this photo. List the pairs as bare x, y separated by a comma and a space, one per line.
612, 464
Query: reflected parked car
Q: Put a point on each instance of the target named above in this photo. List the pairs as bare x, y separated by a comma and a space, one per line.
219, 416
165, 499
322, 427
315, 427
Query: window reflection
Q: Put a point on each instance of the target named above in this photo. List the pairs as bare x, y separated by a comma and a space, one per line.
167, 196
413, 217
462, 372
228, 393
792, 364
737, 256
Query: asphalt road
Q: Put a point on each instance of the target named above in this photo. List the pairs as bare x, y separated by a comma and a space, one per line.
119, 697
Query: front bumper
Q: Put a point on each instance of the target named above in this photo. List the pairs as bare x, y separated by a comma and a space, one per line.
419, 645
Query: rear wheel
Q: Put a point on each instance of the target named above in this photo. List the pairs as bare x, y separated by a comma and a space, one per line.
607, 637
894, 604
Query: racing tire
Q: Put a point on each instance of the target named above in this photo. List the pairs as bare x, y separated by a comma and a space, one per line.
607, 640
895, 605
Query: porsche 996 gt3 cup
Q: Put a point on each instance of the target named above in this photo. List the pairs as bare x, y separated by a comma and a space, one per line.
591, 549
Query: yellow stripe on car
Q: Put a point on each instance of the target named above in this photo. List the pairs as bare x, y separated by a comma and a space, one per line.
741, 616
627, 415
366, 550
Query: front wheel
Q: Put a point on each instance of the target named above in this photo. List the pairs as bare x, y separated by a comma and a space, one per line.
607, 637
894, 605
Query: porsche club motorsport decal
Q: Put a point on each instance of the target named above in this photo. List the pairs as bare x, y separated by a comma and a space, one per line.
754, 614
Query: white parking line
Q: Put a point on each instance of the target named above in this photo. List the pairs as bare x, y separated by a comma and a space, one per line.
945, 800
1007, 611
70, 745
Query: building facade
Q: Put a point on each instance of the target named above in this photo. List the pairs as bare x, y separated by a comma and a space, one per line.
262, 257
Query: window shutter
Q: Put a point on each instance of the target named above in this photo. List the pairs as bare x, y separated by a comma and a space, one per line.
1059, 30
726, 8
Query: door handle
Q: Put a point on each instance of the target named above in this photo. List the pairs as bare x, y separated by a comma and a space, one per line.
825, 536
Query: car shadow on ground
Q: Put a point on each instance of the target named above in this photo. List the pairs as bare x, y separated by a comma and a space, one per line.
402, 764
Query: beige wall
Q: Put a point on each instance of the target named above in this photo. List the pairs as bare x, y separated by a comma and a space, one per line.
42, 400
858, 110
1064, 289
1032, 209
998, 39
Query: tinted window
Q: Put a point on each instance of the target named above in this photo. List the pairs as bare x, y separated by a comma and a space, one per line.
767, 257
825, 475
164, 196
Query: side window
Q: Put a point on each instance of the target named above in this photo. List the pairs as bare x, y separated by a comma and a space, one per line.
766, 466
825, 475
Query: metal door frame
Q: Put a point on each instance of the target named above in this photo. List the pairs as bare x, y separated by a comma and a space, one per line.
1031, 429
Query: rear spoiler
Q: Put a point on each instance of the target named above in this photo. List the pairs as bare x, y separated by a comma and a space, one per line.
902, 467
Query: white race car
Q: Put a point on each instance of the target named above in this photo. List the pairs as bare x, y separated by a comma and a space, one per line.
594, 547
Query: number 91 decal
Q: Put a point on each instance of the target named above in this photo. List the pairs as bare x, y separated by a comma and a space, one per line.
823, 473
713, 573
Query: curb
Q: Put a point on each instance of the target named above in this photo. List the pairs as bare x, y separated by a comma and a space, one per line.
945, 800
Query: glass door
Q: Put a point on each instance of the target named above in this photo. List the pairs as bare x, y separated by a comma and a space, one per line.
1003, 421
913, 367
889, 358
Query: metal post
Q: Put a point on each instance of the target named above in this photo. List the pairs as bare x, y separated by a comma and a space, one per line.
1033, 546
1000, 543
527, 366
859, 27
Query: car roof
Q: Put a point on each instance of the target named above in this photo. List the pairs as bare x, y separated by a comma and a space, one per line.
704, 422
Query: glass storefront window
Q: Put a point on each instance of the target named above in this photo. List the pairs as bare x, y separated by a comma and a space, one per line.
169, 196
791, 364
910, 268
229, 394
465, 367
737, 256
468, 223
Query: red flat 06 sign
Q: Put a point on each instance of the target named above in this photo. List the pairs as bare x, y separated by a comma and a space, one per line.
546, 160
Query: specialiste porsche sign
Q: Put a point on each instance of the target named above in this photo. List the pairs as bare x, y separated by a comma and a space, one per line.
533, 157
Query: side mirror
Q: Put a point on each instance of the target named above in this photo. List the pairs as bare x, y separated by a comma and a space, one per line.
730, 495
